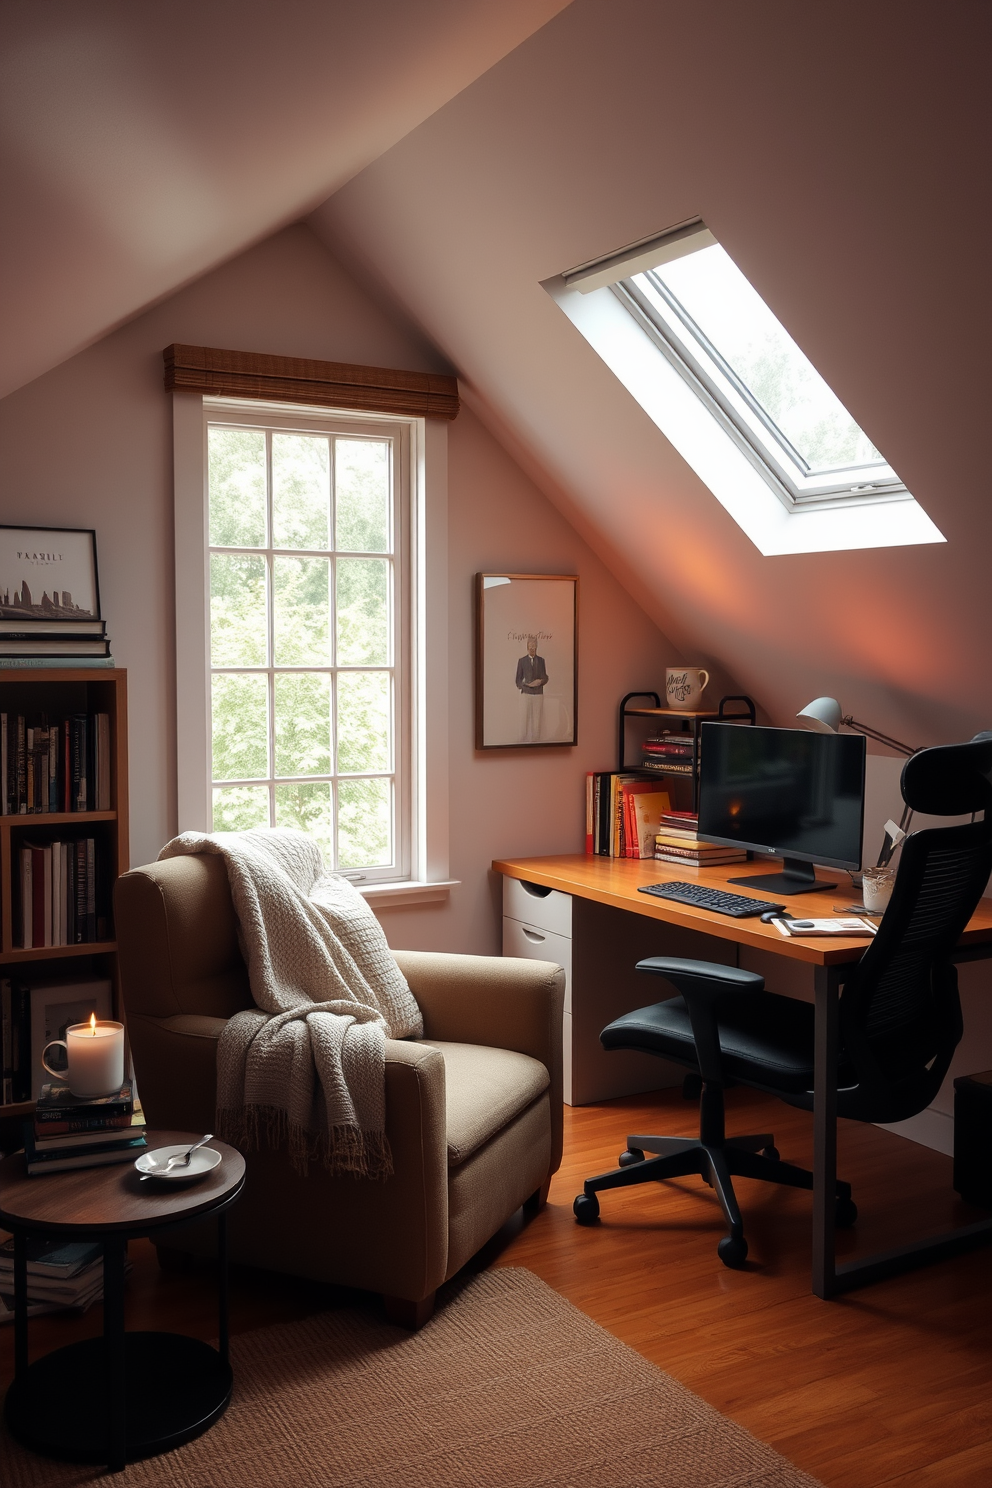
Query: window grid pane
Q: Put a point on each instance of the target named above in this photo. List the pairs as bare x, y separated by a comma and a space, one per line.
303, 642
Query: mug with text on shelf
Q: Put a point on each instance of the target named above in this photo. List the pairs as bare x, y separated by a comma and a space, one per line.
684, 687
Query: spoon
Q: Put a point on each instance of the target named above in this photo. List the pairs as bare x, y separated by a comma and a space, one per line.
177, 1159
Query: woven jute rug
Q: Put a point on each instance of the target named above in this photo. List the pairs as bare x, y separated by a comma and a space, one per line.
508, 1386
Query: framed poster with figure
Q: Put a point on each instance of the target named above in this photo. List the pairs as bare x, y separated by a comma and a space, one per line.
526, 675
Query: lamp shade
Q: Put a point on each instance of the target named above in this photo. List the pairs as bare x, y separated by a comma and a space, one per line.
823, 714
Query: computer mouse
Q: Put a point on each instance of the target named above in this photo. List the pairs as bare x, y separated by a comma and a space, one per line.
775, 914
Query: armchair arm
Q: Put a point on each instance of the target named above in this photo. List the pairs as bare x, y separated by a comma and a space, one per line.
500, 1002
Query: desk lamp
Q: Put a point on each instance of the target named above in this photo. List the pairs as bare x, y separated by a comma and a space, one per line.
824, 715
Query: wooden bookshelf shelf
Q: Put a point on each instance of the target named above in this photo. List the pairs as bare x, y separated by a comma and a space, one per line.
56, 693
55, 818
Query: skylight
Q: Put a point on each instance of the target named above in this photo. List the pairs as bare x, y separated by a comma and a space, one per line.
785, 425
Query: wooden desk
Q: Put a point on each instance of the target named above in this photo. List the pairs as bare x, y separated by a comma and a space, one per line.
614, 883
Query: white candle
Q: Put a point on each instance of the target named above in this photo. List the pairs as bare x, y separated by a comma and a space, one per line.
96, 1057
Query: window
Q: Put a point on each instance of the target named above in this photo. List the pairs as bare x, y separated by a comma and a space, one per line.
307, 644
759, 421
307, 544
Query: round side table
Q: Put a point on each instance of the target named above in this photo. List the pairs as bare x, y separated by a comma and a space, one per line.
126, 1395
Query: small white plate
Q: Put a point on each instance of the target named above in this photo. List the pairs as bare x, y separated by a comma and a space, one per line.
203, 1161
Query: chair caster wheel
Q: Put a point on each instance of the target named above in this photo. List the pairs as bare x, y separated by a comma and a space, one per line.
732, 1252
586, 1209
845, 1213
692, 1087
772, 1153
630, 1157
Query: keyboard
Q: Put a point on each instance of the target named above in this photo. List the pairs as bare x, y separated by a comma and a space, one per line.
701, 896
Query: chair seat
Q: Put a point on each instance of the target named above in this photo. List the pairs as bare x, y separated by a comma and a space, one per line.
485, 1089
762, 1037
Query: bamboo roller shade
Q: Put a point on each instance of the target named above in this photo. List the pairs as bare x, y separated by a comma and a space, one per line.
247, 374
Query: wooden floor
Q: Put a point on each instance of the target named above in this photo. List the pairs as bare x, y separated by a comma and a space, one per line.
890, 1385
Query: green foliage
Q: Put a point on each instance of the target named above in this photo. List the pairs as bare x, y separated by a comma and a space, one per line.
363, 721
364, 823
301, 491
302, 619
236, 465
308, 722
238, 635
363, 611
239, 715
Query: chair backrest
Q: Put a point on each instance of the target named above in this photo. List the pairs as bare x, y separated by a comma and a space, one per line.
900, 1013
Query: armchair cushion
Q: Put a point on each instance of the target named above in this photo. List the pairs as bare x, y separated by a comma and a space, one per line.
484, 1090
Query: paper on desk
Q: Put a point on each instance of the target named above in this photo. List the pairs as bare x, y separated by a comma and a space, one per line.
800, 929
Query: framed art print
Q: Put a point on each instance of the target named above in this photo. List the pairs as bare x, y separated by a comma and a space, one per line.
526, 660
48, 573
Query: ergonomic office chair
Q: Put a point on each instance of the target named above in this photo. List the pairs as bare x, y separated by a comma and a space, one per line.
900, 1017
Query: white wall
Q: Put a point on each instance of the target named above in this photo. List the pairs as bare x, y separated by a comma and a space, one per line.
89, 444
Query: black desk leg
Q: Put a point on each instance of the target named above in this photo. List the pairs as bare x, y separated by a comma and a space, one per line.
826, 982
114, 1253
20, 1303
222, 1327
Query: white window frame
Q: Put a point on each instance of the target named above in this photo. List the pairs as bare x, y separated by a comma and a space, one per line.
422, 798
659, 370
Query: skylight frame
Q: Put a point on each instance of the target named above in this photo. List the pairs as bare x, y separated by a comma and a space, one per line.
699, 362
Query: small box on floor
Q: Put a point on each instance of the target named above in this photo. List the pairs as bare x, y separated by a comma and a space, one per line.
973, 1138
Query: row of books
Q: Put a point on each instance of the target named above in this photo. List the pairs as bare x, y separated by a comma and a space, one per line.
31, 1015
54, 766
69, 1132
28, 641
623, 813
62, 892
677, 841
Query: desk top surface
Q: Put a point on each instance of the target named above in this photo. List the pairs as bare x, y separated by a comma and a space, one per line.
615, 881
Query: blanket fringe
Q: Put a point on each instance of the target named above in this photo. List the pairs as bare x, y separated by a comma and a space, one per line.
343, 1149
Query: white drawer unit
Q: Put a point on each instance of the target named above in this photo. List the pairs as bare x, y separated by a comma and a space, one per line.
537, 925
535, 944
546, 909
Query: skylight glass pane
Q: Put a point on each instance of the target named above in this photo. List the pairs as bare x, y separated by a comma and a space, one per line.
759, 350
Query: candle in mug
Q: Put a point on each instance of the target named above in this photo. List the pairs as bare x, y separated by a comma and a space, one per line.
95, 1051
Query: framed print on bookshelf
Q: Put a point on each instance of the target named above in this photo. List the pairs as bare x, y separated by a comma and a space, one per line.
526, 676
48, 573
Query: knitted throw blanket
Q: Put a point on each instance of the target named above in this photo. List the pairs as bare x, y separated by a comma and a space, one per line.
307, 1065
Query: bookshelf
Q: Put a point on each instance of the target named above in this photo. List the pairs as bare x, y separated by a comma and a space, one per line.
58, 693
682, 723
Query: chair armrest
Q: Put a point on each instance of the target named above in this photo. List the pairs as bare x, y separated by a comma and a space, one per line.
703, 984
500, 1002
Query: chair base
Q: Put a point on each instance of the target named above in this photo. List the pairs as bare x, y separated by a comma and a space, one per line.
717, 1163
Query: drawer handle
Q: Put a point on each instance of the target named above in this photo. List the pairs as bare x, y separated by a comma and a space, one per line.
532, 934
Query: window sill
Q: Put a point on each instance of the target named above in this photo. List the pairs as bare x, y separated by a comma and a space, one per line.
393, 895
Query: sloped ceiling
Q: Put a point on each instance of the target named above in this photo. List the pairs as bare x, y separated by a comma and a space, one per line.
840, 151
142, 144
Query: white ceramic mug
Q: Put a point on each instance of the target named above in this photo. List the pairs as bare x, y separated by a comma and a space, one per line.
95, 1054
684, 687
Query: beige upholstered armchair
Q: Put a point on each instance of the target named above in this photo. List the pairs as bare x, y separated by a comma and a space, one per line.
473, 1110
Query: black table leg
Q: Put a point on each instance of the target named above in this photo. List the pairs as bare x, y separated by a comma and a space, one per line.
222, 1299
826, 982
20, 1303
114, 1252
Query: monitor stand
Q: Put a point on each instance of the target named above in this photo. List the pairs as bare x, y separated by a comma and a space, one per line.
796, 877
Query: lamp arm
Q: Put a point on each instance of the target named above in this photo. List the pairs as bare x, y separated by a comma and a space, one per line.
862, 728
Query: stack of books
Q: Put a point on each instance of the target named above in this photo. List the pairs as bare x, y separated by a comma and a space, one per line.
677, 841
56, 642
669, 754
69, 1132
60, 1274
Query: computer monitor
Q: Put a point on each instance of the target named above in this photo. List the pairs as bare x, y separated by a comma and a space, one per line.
795, 794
